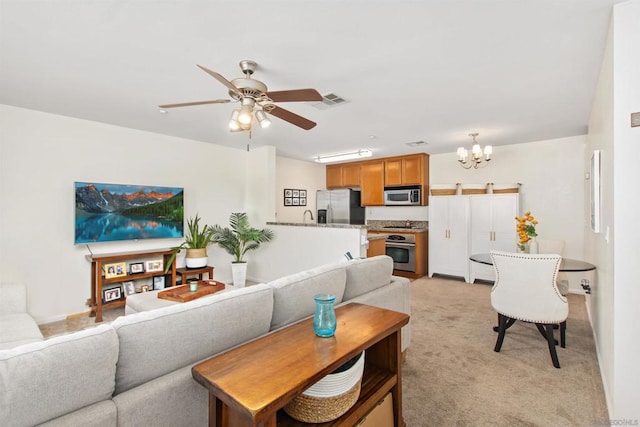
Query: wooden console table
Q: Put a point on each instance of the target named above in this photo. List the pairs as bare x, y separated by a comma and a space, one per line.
98, 280
250, 384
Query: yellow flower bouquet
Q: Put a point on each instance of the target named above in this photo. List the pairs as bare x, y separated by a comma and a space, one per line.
526, 229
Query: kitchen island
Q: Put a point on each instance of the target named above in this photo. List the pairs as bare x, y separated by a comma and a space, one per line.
301, 246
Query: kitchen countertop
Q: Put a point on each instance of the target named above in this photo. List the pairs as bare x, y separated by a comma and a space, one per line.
370, 228
398, 230
313, 224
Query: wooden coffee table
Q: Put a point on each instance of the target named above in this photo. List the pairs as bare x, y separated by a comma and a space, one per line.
250, 384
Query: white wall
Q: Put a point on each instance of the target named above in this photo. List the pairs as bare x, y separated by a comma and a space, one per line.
297, 174
41, 155
615, 297
626, 177
601, 301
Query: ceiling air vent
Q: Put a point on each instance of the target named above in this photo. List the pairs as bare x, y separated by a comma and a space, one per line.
330, 100
416, 143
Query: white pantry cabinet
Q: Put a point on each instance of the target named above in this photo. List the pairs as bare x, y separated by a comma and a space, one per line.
492, 227
448, 236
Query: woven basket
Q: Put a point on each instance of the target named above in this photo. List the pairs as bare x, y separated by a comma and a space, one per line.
331, 397
309, 409
506, 190
474, 191
443, 191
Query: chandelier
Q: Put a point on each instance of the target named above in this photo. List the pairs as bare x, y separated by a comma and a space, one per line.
476, 160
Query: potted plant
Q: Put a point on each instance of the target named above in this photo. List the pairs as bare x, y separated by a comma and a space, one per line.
196, 241
237, 240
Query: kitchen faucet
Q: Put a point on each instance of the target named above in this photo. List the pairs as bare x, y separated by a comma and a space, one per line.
304, 216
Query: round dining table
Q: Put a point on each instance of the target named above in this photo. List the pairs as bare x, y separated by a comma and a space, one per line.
566, 264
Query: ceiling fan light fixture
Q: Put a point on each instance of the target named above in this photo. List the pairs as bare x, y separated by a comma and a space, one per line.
344, 156
246, 111
263, 120
234, 124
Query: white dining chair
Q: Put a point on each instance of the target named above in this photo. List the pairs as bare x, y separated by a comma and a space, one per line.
525, 289
555, 246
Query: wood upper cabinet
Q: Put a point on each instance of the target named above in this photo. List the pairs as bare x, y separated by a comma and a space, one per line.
372, 176
343, 175
406, 170
372, 183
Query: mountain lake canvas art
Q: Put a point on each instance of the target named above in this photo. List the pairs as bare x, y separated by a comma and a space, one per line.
108, 212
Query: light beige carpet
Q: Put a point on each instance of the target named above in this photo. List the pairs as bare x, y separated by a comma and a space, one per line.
452, 376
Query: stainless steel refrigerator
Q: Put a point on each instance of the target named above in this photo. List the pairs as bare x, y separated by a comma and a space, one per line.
340, 206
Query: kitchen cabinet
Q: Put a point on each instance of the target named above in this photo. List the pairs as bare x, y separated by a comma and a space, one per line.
372, 176
372, 183
449, 236
376, 245
406, 170
492, 227
344, 175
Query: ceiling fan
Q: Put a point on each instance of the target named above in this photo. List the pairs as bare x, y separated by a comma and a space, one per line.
256, 99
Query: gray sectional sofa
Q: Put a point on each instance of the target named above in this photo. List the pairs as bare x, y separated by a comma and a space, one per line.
136, 371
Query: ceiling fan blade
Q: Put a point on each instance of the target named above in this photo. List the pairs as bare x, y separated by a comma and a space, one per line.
295, 95
290, 117
188, 104
221, 79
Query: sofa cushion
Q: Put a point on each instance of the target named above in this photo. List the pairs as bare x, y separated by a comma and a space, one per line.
101, 414
366, 275
18, 329
293, 294
156, 342
47, 379
174, 399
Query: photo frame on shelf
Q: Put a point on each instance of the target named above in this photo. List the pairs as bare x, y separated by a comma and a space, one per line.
154, 265
111, 294
595, 198
158, 282
136, 268
295, 197
115, 269
129, 288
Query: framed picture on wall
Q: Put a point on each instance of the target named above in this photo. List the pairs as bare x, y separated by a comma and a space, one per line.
295, 197
595, 191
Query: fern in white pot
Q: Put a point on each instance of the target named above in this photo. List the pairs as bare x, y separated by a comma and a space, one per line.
237, 240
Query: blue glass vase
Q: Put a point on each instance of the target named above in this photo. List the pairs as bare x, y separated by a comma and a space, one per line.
324, 319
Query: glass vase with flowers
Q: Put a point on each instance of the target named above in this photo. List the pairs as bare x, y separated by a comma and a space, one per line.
526, 229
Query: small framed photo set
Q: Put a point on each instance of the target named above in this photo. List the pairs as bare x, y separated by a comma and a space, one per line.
116, 269
153, 266
295, 197
111, 294
158, 282
136, 267
129, 288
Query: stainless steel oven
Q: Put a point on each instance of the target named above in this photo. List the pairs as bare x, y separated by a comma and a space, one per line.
402, 248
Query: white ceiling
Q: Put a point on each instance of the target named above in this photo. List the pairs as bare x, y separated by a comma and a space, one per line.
432, 70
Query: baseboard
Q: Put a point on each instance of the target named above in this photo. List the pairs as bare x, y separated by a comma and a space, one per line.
607, 397
79, 315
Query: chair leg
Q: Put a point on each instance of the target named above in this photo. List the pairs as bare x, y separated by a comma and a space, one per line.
563, 328
552, 344
502, 328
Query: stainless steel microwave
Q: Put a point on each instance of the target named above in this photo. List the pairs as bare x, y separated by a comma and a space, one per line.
402, 196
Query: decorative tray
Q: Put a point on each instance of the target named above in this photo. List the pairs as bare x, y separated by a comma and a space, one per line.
183, 294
